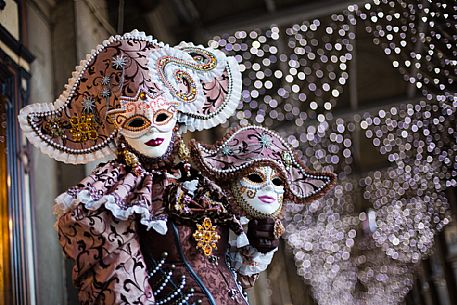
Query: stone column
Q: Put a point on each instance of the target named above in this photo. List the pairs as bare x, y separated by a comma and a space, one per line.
49, 260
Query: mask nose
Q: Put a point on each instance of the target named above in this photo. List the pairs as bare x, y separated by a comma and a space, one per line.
268, 187
153, 128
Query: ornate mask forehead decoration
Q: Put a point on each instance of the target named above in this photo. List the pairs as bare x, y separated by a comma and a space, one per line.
253, 146
137, 115
129, 84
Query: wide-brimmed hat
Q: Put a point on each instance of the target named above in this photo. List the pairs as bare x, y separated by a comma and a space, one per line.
78, 127
254, 146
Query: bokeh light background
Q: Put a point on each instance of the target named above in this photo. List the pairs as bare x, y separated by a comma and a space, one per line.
361, 243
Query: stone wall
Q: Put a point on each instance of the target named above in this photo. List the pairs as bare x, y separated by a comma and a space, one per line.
60, 34
48, 256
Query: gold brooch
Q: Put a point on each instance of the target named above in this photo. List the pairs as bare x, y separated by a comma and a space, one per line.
278, 229
206, 237
83, 128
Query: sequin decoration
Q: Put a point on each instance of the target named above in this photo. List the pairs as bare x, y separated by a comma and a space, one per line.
206, 60
119, 62
88, 104
206, 237
188, 82
83, 128
187, 91
182, 77
55, 127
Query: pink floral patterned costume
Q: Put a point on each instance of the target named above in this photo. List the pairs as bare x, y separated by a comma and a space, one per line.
149, 230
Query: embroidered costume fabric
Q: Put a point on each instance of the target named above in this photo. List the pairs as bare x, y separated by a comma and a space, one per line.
79, 126
109, 266
127, 77
120, 191
143, 228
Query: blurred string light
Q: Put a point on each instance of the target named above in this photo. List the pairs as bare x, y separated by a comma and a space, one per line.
413, 135
379, 279
334, 246
408, 210
319, 53
420, 140
323, 233
329, 145
292, 74
259, 57
322, 236
340, 259
419, 37
293, 78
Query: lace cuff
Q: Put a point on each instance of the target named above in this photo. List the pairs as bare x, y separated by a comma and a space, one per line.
249, 261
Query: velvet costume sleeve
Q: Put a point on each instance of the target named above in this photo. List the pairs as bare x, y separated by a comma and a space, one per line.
109, 267
98, 229
247, 262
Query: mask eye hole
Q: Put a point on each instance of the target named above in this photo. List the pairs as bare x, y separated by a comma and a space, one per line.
161, 117
136, 123
254, 177
277, 181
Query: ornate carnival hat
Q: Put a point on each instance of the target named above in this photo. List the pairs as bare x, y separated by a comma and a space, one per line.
80, 126
253, 146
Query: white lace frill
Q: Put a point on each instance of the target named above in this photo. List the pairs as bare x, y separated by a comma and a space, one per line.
119, 191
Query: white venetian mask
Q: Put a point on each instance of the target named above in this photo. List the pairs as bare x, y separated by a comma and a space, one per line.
260, 192
147, 123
